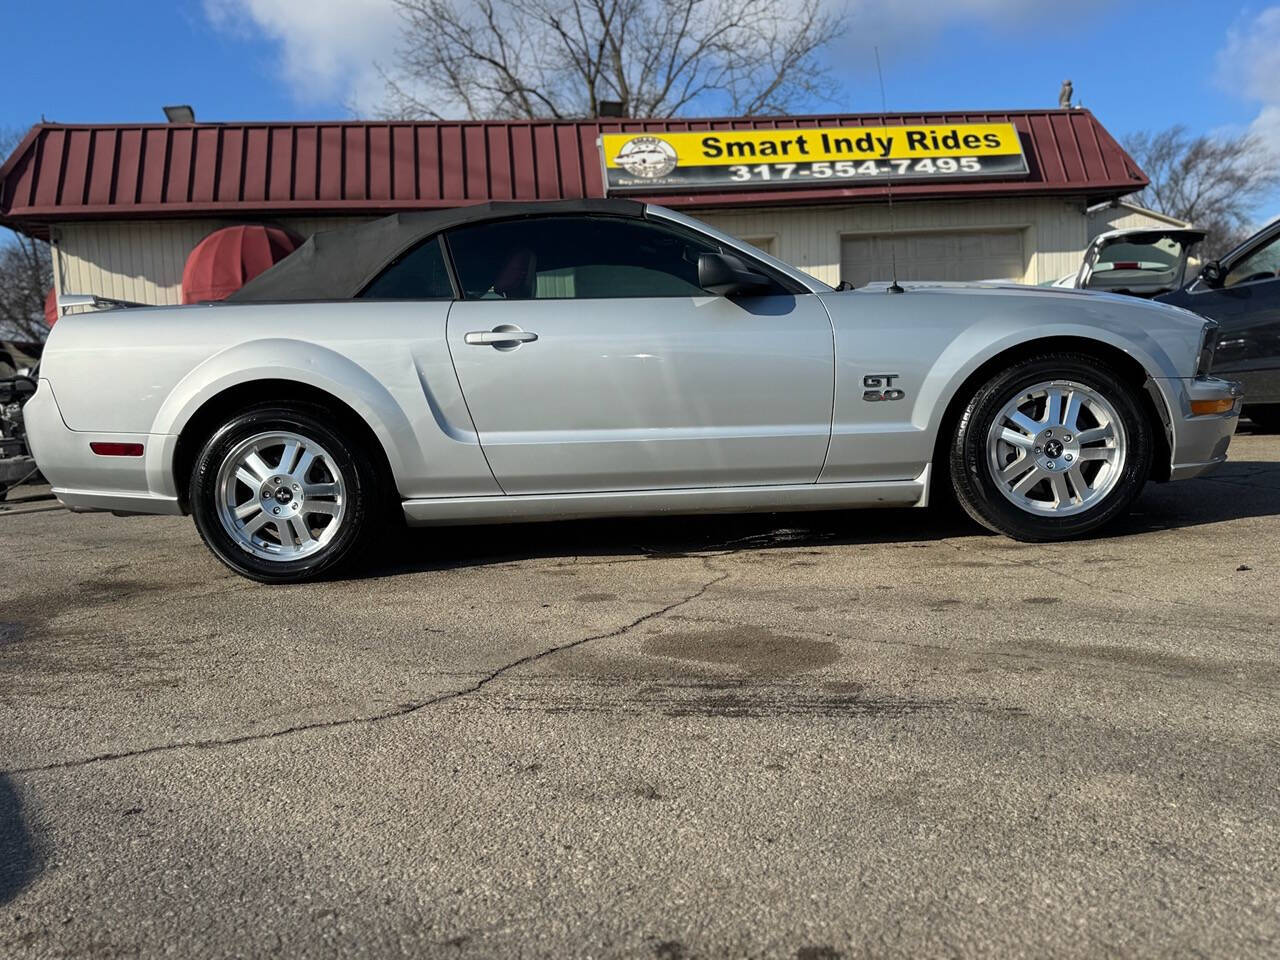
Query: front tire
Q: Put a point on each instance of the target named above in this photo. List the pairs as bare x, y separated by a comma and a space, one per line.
1051, 449
280, 496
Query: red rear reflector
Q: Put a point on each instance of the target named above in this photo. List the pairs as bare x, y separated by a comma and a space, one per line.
116, 449
1126, 265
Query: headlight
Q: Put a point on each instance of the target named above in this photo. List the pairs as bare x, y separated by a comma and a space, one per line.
1208, 344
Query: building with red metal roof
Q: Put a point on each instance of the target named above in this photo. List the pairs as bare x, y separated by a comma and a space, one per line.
124, 205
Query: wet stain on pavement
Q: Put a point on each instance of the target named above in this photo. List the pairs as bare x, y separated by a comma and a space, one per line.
844, 686
41, 607
821, 952
595, 597
751, 649
1156, 662
670, 950
58, 635
746, 699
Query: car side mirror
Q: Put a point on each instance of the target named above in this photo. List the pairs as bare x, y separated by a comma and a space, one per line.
16, 389
728, 276
1212, 274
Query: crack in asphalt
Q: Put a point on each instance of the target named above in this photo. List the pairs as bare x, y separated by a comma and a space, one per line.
401, 711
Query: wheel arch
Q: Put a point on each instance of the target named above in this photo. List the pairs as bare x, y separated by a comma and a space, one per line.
279, 369
217, 409
1134, 371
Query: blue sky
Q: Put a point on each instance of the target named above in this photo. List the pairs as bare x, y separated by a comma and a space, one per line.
1209, 66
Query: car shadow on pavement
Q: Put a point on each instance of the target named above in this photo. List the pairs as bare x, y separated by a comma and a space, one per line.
1239, 490
19, 853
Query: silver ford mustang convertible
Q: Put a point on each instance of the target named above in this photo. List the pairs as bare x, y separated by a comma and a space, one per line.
515, 362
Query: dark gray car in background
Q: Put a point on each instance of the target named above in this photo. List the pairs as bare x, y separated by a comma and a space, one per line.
1242, 292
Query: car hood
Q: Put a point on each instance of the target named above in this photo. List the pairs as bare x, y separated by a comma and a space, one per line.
1117, 304
882, 286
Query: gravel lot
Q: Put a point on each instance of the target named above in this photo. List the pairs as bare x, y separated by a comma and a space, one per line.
861, 734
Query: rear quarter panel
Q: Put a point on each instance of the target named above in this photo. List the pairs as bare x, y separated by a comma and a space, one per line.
148, 371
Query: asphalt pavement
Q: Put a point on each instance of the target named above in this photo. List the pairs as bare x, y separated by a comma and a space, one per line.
876, 733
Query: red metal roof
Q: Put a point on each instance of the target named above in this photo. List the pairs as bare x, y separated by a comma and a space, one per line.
90, 172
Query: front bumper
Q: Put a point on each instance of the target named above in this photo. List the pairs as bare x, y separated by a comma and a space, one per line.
82, 480
1198, 444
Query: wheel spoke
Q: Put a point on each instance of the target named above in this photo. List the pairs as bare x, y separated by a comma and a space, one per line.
1017, 439
256, 524
1024, 423
288, 454
257, 466
310, 490
1053, 406
300, 531
1098, 453
1078, 482
304, 464
327, 507
248, 479
248, 509
1024, 485
1072, 414
1103, 432
1060, 492
1017, 469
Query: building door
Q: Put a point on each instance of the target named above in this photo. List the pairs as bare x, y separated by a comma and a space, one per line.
934, 255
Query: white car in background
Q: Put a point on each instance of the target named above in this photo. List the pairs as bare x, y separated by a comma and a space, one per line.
1136, 261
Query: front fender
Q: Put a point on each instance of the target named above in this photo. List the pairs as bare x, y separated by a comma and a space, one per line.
932, 340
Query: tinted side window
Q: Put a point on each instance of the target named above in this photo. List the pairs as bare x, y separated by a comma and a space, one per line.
576, 258
1262, 264
418, 274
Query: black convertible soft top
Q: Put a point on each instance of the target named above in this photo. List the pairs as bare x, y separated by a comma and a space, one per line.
338, 264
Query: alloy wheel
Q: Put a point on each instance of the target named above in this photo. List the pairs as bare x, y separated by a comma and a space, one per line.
280, 496
1057, 448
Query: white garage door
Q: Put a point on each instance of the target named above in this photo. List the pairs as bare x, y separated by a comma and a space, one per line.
974, 255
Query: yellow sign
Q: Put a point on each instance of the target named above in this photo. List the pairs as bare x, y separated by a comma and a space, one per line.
644, 161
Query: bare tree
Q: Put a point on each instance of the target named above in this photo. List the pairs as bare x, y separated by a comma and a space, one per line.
500, 59
26, 274
1215, 183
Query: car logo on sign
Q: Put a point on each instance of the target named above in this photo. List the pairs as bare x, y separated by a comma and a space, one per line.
647, 157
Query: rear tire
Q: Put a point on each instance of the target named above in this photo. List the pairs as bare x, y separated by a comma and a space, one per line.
282, 495
1053, 448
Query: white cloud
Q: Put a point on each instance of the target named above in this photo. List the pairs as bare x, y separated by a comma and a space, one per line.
1249, 62
1249, 67
329, 49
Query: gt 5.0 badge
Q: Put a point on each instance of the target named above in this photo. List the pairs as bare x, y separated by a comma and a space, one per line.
879, 386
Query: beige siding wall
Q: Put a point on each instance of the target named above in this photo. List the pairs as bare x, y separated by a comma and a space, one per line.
143, 260
1126, 218
1055, 231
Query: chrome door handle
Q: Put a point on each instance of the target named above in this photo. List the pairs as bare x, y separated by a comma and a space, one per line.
500, 337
